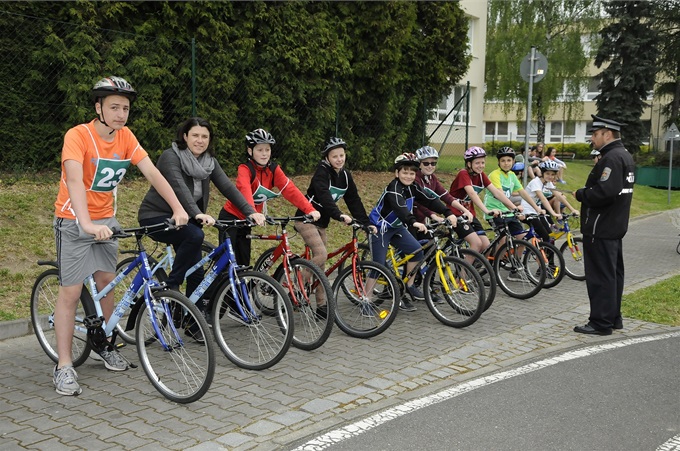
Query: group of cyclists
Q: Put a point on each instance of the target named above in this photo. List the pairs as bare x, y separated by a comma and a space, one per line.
96, 155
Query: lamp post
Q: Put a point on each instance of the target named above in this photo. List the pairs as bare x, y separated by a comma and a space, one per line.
671, 134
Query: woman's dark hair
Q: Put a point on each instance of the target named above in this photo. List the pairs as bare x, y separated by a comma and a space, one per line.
550, 150
188, 125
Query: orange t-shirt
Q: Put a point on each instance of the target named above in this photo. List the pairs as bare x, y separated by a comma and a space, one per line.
104, 166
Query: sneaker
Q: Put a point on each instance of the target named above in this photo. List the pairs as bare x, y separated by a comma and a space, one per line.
322, 313
563, 182
515, 277
406, 306
437, 300
114, 360
193, 331
367, 310
66, 381
415, 292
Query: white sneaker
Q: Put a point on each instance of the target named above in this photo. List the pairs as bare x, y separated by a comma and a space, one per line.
114, 360
65, 381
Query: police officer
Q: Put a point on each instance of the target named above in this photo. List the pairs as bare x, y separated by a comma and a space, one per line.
605, 209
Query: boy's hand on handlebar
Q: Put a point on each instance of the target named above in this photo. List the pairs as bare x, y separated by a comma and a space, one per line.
346, 219
101, 232
257, 218
436, 218
468, 214
373, 230
315, 215
420, 227
453, 220
495, 213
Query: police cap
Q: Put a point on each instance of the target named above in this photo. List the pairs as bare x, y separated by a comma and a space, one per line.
600, 122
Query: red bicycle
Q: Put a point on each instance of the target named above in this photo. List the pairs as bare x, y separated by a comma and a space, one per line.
365, 294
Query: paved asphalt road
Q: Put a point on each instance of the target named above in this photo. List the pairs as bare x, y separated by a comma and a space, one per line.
624, 395
310, 393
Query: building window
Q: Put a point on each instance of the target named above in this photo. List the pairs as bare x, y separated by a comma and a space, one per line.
593, 88
455, 99
521, 128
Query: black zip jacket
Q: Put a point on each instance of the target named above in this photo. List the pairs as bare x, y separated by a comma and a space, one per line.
606, 198
324, 184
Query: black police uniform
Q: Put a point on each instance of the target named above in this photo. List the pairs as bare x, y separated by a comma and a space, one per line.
605, 210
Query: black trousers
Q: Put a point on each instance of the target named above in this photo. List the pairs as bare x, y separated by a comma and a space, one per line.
603, 260
186, 241
239, 241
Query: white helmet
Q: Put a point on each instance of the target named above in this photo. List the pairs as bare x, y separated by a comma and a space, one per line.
426, 152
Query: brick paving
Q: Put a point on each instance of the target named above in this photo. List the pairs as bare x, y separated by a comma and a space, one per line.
308, 393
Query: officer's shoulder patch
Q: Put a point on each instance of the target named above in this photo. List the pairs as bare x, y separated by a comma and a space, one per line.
606, 172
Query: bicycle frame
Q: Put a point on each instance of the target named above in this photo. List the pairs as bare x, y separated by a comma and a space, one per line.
143, 280
432, 251
223, 257
566, 230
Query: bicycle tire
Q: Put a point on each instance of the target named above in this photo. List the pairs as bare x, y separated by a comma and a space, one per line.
311, 330
485, 270
43, 302
573, 259
363, 315
528, 272
461, 293
128, 336
260, 341
554, 266
183, 372
262, 259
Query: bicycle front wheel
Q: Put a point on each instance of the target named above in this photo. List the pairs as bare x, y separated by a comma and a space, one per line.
254, 326
520, 270
554, 264
126, 330
367, 302
573, 258
180, 367
454, 292
313, 302
43, 303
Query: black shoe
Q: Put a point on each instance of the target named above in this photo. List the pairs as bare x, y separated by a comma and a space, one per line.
406, 306
192, 330
618, 323
322, 313
589, 330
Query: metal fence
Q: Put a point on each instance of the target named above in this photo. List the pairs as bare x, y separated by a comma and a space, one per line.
48, 68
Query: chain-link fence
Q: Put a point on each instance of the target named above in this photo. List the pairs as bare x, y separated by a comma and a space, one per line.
48, 68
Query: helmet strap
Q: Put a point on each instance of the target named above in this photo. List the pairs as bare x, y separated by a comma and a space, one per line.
101, 115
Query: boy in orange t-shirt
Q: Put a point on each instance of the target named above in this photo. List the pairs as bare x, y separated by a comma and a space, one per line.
95, 157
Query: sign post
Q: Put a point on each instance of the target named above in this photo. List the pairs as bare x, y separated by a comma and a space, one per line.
533, 68
671, 134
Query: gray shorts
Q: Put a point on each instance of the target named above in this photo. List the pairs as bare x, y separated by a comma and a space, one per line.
79, 255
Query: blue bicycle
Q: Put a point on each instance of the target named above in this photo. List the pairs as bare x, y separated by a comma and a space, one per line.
251, 314
179, 368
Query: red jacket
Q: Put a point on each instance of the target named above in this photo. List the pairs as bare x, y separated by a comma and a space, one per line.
264, 182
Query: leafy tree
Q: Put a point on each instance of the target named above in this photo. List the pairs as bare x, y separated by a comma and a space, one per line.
629, 46
667, 22
556, 29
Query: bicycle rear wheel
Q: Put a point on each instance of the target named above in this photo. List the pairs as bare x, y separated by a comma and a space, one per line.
365, 309
309, 293
554, 264
127, 331
43, 302
520, 271
454, 293
573, 259
254, 326
180, 368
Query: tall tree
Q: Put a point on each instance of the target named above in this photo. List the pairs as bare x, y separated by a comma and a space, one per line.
629, 51
667, 22
557, 30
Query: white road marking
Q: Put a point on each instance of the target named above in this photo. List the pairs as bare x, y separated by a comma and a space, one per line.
358, 427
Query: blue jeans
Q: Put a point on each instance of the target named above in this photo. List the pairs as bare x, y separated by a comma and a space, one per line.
400, 238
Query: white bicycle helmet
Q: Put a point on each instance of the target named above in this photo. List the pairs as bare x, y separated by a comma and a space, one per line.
259, 136
426, 152
549, 165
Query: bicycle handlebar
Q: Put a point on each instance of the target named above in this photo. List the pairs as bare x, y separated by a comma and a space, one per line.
168, 224
284, 220
226, 223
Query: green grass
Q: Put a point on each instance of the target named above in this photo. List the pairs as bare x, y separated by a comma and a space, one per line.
27, 205
658, 304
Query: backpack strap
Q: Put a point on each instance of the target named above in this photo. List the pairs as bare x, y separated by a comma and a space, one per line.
272, 167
